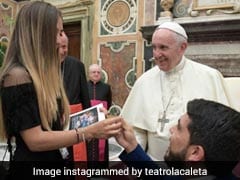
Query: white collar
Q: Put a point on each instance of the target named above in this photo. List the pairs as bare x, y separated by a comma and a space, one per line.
177, 68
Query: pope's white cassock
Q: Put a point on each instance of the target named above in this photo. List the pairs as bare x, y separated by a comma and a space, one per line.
158, 99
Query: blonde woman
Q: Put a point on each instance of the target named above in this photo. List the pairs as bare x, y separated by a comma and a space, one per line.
34, 107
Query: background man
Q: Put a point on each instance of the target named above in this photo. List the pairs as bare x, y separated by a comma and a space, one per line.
98, 90
75, 83
74, 76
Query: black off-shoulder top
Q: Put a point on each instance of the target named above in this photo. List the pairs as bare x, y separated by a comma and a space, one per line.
21, 112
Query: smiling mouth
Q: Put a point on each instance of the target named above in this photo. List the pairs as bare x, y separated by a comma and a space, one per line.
161, 59
162, 62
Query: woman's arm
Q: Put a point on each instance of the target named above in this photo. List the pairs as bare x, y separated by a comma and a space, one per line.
39, 140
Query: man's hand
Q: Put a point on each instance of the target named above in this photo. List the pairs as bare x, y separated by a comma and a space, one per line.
126, 138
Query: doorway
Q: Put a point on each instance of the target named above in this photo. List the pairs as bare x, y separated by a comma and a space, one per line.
73, 31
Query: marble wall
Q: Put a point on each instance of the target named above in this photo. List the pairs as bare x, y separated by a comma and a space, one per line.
213, 31
7, 15
118, 44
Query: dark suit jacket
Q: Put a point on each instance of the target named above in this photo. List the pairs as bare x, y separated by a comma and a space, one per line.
75, 82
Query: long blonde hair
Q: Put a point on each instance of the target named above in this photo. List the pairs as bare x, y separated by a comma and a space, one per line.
33, 45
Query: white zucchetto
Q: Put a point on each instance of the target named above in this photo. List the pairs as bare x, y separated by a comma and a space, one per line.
175, 27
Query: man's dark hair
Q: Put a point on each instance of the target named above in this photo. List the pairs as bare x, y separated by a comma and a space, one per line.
216, 128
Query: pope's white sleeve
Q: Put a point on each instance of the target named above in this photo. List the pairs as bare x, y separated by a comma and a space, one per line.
141, 136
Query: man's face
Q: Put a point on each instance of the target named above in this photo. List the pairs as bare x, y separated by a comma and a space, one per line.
59, 31
179, 141
95, 74
167, 52
63, 48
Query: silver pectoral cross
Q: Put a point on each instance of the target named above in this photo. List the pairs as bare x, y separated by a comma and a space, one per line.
163, 120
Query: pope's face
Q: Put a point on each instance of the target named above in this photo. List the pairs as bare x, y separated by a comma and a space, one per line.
167, 51
179, 141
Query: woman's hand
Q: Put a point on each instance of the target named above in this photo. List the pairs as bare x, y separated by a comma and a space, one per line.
104, 129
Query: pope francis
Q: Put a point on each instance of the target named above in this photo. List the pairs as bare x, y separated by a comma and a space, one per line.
159, 97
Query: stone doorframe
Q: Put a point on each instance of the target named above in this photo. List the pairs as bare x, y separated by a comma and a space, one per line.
79, 11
